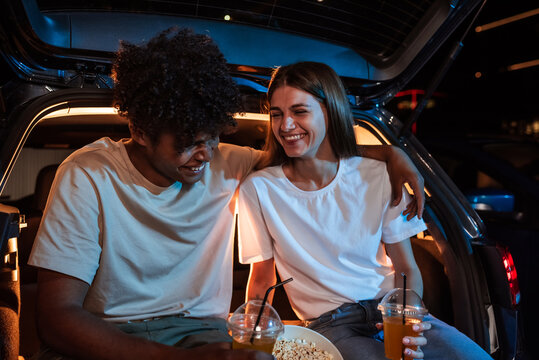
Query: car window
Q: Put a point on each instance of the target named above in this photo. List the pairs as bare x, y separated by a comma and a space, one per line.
522, 156
21, 182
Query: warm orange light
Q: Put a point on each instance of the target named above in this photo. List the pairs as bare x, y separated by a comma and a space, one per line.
505, 21
113, 111
478, 74
252, 116
523, 65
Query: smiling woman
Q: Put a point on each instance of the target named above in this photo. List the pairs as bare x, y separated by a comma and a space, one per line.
294, 220
297, 101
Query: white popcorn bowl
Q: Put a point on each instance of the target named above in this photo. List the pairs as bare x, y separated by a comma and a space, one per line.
292, 332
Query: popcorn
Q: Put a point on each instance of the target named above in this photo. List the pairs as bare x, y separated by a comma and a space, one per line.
299, 349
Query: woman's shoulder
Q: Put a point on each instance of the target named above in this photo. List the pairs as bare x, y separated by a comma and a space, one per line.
363, 163
364, 170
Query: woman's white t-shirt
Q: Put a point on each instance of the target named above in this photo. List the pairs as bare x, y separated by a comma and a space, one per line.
329, 240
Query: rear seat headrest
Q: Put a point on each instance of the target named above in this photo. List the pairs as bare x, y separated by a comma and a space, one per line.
43, 185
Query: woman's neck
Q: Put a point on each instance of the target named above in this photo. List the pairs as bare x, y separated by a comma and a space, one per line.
311, 174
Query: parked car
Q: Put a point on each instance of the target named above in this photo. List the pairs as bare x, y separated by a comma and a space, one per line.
499, 175
59, 99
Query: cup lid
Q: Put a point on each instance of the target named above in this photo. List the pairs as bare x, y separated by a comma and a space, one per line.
245, 318
392, 303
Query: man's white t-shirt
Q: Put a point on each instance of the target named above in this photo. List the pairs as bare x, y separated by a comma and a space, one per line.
329, 240
146, 251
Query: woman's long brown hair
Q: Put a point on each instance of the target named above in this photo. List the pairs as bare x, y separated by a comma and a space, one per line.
323, 84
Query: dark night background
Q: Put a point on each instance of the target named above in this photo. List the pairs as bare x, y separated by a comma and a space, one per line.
480, 96
499, 101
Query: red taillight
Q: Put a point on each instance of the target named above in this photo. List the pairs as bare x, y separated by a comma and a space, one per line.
511, 273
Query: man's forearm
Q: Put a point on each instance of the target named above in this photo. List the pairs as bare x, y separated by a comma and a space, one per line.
81, 335
376, 152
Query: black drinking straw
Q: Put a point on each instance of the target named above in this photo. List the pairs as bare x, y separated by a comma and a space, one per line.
403, 306
264, 304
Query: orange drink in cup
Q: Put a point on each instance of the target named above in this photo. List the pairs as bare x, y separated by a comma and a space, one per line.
400, 313
252, 329
264, 344
394, 331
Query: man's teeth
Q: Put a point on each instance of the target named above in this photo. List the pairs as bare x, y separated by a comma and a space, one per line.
293, 137
196, 168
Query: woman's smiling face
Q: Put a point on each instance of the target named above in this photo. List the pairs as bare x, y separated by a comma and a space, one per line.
299, 123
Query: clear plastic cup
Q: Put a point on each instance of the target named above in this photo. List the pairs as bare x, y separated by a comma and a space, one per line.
241, 326
399, 319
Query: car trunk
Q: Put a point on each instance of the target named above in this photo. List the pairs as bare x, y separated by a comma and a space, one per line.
455, 290
61, 67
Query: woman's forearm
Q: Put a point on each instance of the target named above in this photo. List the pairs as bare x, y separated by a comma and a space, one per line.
261, 277
402, 257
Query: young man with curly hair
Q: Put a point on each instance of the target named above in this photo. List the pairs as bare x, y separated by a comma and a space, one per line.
135, 247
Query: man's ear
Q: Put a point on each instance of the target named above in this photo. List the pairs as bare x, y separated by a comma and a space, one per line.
138, 135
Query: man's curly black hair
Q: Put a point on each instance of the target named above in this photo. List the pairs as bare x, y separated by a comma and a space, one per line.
177, 82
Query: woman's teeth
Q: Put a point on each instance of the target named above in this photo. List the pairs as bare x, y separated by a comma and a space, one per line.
293, 137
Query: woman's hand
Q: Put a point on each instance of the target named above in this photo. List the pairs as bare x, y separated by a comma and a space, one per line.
413, 343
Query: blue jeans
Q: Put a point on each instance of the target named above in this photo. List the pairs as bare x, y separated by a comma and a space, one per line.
177, 331
351, 327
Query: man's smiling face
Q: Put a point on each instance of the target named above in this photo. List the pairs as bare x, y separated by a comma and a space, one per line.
186, 166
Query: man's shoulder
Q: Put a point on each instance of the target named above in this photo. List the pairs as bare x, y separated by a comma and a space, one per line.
239, 160
102, 148
100, 154
266, 175
230, 151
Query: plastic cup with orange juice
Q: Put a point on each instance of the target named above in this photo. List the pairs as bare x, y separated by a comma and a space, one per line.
248, 334
401, 309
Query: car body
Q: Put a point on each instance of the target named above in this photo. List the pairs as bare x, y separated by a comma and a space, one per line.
59, 99
499, 175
